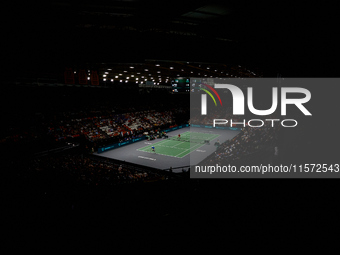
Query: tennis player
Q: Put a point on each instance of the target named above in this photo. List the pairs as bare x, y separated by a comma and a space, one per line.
179, 136
153, 148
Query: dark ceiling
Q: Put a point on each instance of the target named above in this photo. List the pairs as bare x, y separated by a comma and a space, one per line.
280, 37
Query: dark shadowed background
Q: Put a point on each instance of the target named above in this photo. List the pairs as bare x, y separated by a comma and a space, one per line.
282, 39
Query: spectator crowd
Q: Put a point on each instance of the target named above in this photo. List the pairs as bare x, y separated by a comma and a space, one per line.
93, 171
248, 142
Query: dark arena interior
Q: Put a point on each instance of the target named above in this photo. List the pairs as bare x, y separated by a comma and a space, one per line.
88, 86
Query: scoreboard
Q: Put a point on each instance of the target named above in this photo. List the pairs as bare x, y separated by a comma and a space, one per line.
196, 84
180, 85
186, 84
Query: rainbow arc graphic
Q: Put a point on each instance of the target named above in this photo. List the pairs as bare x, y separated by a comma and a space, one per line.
209, 93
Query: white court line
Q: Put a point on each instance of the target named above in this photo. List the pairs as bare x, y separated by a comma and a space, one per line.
193, 148
172, 147
176, 145
190, 149
158, 143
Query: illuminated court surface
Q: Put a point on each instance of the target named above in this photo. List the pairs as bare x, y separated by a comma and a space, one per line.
190, 148
180, 147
